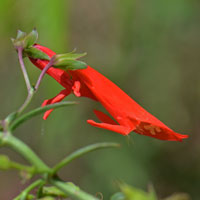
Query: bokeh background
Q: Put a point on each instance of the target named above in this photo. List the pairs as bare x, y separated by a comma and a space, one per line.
150, 49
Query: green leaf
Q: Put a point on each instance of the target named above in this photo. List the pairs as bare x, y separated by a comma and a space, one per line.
38, 111
32, 52
82, 151
70, 64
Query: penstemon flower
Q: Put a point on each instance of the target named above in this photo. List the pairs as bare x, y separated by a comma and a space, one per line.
127, 115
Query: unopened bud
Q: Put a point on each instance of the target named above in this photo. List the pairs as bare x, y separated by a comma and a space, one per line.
5, 162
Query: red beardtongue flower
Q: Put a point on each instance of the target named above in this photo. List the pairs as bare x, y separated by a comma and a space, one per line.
128, 115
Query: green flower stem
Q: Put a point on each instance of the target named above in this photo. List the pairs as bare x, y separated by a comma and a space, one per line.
72, 191
26, 152
81, 152
38, 111
23, 195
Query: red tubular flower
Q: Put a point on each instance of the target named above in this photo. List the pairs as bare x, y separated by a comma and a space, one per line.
128, 115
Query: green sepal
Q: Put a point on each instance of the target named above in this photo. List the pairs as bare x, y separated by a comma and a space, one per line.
32, 52
20, 39
69, 56
25, 40
20, 34
69, 61
31, 38
70, 64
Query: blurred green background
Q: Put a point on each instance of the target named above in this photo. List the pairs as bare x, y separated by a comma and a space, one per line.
150, 49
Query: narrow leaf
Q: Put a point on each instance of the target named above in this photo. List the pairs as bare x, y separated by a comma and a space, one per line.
38, 111
83, 151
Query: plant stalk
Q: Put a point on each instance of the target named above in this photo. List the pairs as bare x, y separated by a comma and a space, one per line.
43, 73
23, 68
23, 195
27, 101
26, 152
